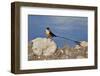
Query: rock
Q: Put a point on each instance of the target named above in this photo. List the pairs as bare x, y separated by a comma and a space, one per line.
46, 49
84, 43
80, 57
77, 47
67, 52
43, 46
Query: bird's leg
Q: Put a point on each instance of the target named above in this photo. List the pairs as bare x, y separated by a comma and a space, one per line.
48, 37
51, 39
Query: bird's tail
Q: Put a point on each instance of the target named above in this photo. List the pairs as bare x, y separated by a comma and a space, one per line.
77, 42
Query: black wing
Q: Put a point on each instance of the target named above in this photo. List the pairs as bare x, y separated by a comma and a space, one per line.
52, 34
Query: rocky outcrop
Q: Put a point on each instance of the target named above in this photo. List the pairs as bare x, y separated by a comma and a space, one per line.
43, 46
46, 49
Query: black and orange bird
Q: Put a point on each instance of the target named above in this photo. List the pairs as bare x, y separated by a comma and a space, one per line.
50, 34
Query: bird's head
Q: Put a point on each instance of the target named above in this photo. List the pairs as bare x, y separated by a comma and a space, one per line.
48, 28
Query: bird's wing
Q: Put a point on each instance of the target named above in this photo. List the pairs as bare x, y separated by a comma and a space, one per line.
52, 34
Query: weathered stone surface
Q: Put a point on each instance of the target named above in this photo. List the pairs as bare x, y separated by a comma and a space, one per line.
43, 46
46, 49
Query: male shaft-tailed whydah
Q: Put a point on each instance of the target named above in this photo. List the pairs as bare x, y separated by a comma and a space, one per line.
50, 34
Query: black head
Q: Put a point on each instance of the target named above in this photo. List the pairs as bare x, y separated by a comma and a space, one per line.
48, 28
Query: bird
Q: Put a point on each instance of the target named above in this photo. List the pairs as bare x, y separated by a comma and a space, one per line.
50, 35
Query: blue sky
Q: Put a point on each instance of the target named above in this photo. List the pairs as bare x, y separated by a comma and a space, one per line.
72, 27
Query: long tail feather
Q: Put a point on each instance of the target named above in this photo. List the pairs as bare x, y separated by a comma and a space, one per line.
77, 42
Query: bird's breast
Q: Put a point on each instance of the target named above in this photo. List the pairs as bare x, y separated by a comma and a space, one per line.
47, 32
